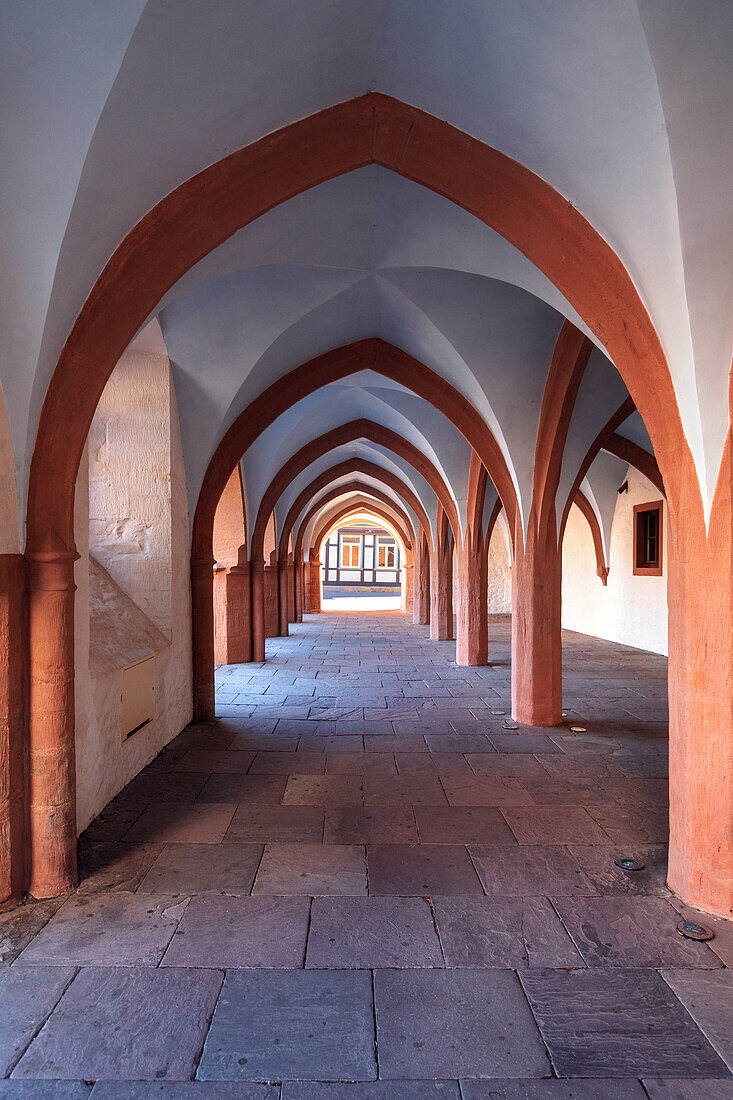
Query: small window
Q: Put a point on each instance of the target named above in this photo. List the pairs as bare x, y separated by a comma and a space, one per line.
648, 539
386, 555
350, 551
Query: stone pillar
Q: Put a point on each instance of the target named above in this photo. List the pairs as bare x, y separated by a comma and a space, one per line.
202, 632
441, 591
537, 631
472, 635
299, 592
314, 587
282, 598
52, 763
421, 581
272, 602
408, 589
13, 753
257, 579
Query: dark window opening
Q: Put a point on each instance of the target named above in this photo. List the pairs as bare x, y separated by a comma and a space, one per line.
648, 539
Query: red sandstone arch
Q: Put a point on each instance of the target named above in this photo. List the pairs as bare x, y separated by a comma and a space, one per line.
472, 640
352, 510
342, 469
370, 495
588, 511
531, 215
347, 433
635, 456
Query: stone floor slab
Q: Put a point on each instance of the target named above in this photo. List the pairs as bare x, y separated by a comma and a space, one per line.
489, 764
556, 825
138, 1023
372, 932
311, 869
288, 763
183, 1090
307, 1024
529, 871
404, 869
659, 1089
201, 868
267, 790
708, 997
371, 1090
497, 791
370, 825
323, 790
502, 932
552, 1090
170, 823
455, 1023
624, 1023
107, 930
276, 823
227, 932
20, 924
44, 1090
215, 760
599, 864
403, 791
462, 825
105, 868
27, 997
630, 931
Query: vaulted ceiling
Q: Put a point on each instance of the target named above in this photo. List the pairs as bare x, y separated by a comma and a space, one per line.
622, 106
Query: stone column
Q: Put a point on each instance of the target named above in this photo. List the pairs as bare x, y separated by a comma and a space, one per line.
537, 632
13, 754
299, 592
257, 578
282, 598
408, 589
441, 591
52, 764
421, 581
314, 587
472, 635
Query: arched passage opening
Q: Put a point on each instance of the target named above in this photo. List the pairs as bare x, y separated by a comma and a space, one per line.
542, 225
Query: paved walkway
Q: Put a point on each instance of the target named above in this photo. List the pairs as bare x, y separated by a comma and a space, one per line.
365, 872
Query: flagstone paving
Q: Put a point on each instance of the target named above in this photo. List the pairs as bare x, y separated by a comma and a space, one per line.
365, 882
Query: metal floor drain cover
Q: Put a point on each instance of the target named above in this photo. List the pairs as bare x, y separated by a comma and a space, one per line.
498, 712
629, 864
691, 930
510, 726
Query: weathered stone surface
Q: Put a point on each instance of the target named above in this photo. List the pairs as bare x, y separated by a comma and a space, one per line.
612, 1022
502, 932
323, 790
497, 791
246, 789
108, 930
215, 760
307, 1024
20, 924
287, 763
200, 868
462, 825
27, 997
105, 867
659, 1089
455, 1023
556, 825
708, 997
403, 791
44, 1090
276, 823
371, 1090
505, 763
170, 823
139, 1023
183, 1090
370, 825
529, 871
552, 1090
372, 932
599, 865
224, 932
630, 931
421, 869
312, 869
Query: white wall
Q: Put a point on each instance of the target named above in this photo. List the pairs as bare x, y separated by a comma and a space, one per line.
500, 573
631, 610
138, 530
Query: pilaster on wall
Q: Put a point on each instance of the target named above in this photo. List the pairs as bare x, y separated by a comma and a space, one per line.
13, 748
421, 580
407, 594
232, 615
441, 583
314, 587
472, 636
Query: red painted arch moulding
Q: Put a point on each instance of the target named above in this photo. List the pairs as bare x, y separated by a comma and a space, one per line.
524, 209
588, 511
351, 510
347, 433
342, 469
367, 493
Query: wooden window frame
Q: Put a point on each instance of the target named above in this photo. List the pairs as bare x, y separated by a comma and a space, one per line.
649, 570
351, 541
383, 544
